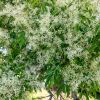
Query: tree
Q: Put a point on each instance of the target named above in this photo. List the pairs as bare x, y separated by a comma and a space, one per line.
56, 42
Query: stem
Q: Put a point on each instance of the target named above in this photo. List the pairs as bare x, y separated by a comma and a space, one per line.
74, 96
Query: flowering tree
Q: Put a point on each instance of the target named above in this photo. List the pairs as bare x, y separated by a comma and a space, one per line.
56, 42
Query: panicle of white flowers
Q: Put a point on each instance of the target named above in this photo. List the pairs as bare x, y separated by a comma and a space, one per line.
3, 33
95, 65
31, 76
97, 5
17, 11
45, 21
9, 85
97, 76
61, 2
74, 51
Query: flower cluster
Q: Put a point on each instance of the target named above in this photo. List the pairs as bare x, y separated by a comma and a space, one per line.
9, 85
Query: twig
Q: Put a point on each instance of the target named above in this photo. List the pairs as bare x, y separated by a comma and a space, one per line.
62, 97
41, 97
52, 95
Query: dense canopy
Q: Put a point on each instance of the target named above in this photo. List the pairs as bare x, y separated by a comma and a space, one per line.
51, 42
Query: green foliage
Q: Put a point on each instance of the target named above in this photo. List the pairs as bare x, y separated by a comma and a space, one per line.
18, 43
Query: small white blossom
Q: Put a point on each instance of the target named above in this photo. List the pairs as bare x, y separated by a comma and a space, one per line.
3, 50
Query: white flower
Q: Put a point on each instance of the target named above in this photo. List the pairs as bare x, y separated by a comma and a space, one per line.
3, 50
61, 2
